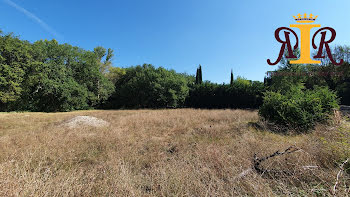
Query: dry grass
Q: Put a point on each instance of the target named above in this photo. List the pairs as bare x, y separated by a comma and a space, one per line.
182, 152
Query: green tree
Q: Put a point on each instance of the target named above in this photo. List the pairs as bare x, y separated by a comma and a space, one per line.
14, 59
149, 87
48, 76
115, 73
49, 81
199, 75
106, 64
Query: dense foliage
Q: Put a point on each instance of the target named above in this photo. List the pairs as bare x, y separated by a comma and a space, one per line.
47, 76
294, 97
149, 87
241, 93
298, 108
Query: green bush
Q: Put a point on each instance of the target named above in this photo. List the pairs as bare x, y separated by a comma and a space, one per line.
298, 108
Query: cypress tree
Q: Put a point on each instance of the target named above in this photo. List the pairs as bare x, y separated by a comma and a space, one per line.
200, 74
231, 82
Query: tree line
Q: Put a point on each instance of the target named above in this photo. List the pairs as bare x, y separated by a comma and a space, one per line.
48, 76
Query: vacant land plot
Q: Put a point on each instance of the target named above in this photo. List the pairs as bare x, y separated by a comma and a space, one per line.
182, 152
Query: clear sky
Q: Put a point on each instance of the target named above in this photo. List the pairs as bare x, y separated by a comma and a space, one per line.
179, 34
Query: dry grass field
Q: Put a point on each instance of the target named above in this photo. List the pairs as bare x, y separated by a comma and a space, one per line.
180, 152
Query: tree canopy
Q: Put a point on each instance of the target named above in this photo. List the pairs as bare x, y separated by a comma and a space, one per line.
48, 76
149, 87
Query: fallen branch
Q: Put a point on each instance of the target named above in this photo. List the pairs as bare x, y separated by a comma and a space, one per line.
257, 161
309, 167
338, 175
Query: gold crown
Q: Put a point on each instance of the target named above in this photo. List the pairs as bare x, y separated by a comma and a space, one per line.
305, 19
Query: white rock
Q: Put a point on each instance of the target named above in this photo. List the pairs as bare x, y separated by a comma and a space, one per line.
80, 121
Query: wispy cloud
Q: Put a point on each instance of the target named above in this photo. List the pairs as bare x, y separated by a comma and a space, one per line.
34, 18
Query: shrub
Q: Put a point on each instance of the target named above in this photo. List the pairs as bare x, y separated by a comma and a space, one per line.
298, 109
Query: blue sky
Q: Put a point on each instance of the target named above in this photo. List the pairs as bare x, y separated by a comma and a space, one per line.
220, 35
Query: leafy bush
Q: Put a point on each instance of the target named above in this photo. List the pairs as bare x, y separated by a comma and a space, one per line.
298, 108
